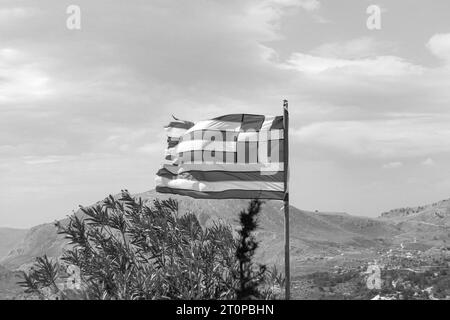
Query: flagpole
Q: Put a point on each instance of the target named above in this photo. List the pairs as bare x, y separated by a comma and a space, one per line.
287, 268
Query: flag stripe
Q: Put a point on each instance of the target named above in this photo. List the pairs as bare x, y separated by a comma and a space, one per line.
180, 124
216, 125
267, 124
175, 132
277, 123
236, 167
192, 145
244, 156
216, 186
214, 176
252, 122
228, 194
172, 143
224, 146
229, 136
231, 117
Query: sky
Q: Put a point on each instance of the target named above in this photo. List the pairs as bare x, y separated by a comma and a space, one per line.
82, 110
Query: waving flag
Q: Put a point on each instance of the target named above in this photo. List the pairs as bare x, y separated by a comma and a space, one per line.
236, 156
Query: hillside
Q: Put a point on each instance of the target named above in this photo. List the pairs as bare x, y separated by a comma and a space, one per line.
333, 245
312, 233
429, 224
9, 238
437, 213
9, 289
38, 241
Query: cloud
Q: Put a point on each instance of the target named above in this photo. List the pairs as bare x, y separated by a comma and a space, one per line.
439, 45
389, 66
21, 78
320, 19
392, 165
10, 14
360, 56
87, 108
152, 148
64, 92
363, 47
365, 78
377, 139
309, 5
356, 57
45, 160
428, 162
74, 101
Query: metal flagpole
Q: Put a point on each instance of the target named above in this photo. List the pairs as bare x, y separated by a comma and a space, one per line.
286, 200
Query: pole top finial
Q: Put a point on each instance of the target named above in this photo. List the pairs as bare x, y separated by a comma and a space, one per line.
285, 105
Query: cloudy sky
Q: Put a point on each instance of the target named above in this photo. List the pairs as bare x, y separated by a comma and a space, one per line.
82, 111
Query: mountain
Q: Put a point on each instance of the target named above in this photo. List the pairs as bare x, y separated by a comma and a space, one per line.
9, 237
429, 224
312, 233
320, 241
437, 213
38, 241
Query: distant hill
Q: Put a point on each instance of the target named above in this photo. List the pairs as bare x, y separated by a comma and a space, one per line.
427, 224
311, 232
319, 241
9, 238
38, 241
437, 213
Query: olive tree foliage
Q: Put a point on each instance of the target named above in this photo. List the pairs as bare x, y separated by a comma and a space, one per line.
126, 249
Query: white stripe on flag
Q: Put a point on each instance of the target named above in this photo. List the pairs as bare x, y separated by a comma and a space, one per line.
267, 124
175, 132
276, 134
248, 136
261, 136
219, 146
171, 152
220, 185
276, 166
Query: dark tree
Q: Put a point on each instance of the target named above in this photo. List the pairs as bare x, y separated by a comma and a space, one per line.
250, 275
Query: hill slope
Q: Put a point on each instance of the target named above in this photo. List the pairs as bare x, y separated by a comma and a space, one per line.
38, 241
319, 241
437, 213
9, 288
9, 237
428, 224
311, 232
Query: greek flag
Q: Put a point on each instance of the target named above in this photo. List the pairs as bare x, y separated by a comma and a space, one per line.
236, 156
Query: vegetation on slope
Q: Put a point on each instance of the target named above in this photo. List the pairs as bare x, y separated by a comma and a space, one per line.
125, 249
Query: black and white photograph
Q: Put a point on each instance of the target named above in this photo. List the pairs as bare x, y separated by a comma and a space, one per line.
237, 151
